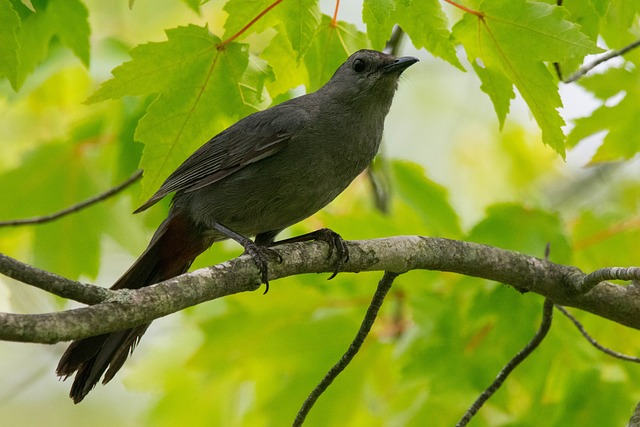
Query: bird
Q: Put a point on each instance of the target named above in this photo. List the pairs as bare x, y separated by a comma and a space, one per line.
266, 172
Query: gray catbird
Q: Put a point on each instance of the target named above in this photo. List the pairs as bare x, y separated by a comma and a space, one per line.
268, 171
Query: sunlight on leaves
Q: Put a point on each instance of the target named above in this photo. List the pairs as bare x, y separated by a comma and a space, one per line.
251, 359
377, 14
616, 118
201, 92
329, 49
510, 41
427, 26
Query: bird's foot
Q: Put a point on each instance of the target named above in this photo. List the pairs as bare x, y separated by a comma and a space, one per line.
261, 256
336, 245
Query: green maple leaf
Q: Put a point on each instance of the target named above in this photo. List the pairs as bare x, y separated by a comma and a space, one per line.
618, 121
57, 243
242, 12
511, 226
426, 198
423, 21
9, 29
288, 71
510, 41
65, 20
588, 18
330, 47
200, 91
299, 18
378, 15
192, 4
498, 87
426, 24
619, 21
534, 31
600, 6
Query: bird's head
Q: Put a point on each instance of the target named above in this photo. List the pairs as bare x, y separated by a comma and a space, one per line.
368, 75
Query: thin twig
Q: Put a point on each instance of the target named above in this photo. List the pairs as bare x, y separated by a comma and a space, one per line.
75, 208
556, 66
383, 287
545, 325
607, 56
593, 342
394, 42
589, 281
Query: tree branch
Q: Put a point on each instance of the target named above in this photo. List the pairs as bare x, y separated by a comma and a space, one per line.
372, 312
77, 207
51, 282
607, 56
634, 421
610, 273
593, 342
545, 325
128, 308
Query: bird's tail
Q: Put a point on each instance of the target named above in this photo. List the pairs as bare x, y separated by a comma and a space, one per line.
174, 246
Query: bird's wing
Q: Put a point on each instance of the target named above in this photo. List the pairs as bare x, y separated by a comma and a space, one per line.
248, 141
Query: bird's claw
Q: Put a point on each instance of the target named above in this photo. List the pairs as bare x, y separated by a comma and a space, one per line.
336, 245
261, 256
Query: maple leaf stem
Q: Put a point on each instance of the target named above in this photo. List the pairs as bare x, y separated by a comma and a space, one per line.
334, 20
223, 43
466, 9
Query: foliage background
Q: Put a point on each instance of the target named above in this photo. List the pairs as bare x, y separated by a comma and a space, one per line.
252, 359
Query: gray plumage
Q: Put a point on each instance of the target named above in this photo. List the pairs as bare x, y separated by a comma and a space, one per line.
266, 172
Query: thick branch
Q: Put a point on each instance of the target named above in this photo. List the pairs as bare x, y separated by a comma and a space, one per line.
52, 283
396, 254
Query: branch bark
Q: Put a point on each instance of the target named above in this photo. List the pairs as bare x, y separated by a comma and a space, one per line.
127, 308
51, 282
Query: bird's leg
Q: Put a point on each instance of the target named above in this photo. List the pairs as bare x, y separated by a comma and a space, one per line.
266, 238
258, 251
333, 239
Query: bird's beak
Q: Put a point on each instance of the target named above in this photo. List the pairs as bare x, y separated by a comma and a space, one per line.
400, 64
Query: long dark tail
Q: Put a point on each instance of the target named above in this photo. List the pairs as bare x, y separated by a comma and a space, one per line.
174, 246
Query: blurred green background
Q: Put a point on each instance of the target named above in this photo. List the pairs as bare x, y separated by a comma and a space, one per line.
250, 360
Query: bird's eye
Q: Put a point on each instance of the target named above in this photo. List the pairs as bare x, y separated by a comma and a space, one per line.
358, 65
